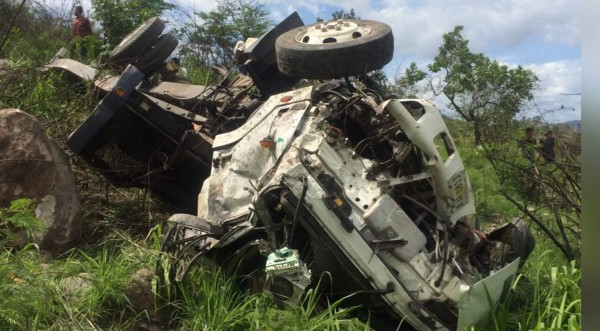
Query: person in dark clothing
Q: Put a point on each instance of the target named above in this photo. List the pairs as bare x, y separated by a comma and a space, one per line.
547, 149
81, 28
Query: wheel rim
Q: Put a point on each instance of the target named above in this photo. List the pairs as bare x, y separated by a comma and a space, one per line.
332, 32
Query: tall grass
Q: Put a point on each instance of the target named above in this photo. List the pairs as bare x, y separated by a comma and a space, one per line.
314, 313
546, 295
27, 298
86, 290
211, 301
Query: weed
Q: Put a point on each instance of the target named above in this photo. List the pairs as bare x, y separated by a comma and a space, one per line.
18, 216
545, 296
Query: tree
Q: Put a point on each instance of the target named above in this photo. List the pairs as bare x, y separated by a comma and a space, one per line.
405, 86
30, 26
483, 92
119, 17
340, 14
213, 42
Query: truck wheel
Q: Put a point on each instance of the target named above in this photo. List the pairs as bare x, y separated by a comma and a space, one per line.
334, 49
136, 42
165, 45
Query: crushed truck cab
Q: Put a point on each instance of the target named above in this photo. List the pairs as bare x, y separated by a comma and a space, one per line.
330, 186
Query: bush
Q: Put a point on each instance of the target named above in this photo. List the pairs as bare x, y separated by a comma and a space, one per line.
545, 296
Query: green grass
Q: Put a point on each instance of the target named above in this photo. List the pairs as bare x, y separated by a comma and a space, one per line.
211, 301
38, 296
546, 295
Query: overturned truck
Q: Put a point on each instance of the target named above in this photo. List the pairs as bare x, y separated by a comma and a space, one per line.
286, 185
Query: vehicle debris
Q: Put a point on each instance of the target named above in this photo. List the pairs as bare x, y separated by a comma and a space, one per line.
298, 184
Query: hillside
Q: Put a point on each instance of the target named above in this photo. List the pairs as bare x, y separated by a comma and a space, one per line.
122, 273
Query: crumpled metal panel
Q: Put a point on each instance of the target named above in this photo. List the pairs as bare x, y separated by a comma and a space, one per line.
83, 72
267, 109
454, 196
74, 69
178, 90
237, 170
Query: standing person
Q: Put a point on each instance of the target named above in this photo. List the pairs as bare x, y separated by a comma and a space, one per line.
172, 71
81, 28
240, 57
528, 145
530, 150
547, 149
181, 71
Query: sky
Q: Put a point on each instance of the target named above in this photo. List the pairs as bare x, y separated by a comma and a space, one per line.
541, 35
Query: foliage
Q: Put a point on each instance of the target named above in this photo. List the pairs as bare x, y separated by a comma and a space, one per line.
482, 91
18, 216
492, 208
211, 301
553, 203
548, 194
405, 85
58, 105
214, 40
28, 298
84, 291
341, 14
506, 184
108, 272
34, 32
545, 296
23, 294
118, 18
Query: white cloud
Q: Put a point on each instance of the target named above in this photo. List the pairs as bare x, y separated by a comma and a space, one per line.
418, 25
560, 92
560, 77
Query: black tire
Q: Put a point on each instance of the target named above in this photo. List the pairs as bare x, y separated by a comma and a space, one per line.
331, 59
134, 44
151, 61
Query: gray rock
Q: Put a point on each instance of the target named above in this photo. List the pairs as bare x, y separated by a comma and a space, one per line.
139, 290
33, 166
140, 294
72, 286
4, 65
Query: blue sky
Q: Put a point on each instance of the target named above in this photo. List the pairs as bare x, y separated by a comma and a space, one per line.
541, 35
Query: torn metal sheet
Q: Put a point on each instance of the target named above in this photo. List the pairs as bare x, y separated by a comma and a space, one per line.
480, 298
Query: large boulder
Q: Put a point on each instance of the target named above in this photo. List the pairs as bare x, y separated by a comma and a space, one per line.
33, 166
